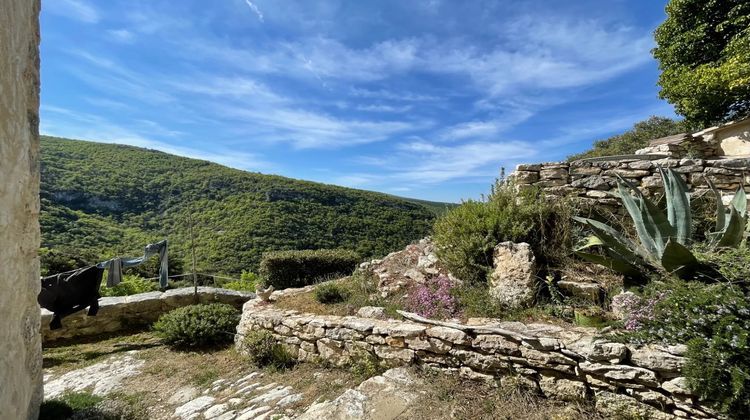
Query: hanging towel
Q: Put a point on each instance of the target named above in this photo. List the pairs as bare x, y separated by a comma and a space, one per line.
115, 265
67, 293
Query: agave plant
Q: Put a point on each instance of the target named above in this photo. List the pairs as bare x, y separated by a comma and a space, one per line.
663, 238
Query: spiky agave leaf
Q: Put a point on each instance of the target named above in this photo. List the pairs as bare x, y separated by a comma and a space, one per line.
677, 259
652, 226
616, 241
678, 205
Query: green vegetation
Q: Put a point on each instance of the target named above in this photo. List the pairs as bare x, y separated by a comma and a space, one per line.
101, 200
247, 283
283, 269
198, 325
330, 293
130, 285
664, 239
635, 138
67, 404
467, 235
703, 48
714, 321
266, 352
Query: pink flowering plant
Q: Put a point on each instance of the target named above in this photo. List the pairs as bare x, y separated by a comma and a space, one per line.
635, 311
434, 299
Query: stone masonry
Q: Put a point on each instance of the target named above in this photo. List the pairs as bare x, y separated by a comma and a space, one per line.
568, 364
595, 181
20, 345
123, 312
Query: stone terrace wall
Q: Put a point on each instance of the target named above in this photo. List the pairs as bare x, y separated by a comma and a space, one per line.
562, 364
20, 349
594, 181
122, 312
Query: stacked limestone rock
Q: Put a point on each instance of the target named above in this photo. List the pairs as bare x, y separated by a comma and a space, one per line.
398, 271
595, 182
568, 364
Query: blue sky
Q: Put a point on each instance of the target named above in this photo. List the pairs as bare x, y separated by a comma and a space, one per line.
420, 98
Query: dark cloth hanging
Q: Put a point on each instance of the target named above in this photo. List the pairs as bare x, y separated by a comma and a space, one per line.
67, 293
115, 265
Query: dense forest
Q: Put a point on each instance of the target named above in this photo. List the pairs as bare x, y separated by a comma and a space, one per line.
101, 200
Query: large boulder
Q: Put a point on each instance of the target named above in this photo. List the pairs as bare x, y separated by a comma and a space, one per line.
513, 281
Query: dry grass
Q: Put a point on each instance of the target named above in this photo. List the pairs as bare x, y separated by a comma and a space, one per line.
450, 397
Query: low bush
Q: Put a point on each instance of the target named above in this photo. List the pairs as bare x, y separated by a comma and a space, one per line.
714, 321
283, 269
130, 285
67, 404
266, 352
198, 325
466, 236
364, 364
247, 283
328, 293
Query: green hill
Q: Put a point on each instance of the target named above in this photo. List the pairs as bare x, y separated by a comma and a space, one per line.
100, 200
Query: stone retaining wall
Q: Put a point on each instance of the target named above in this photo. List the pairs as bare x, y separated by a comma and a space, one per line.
568, 364
122, 312
596, 181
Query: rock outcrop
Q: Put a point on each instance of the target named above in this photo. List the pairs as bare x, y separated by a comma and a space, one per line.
399, 271
513, 281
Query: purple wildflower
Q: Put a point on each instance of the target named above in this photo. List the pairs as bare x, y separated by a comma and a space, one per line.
433, 299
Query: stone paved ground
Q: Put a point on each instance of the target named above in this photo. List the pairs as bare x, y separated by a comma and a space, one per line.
251, 396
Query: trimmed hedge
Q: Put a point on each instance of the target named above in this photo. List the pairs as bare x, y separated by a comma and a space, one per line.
283, 269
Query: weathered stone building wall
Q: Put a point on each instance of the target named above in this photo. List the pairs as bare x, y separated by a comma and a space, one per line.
123, 312
568, 364
20, 346
596, 181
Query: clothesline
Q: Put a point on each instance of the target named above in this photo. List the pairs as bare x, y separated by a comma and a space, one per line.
200, 274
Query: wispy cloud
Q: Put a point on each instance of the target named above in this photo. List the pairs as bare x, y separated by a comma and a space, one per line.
123, 36
255, 9
62, 122
79, 10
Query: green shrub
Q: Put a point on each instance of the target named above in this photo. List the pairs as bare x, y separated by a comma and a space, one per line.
283, 269
714, 321
130, 285
264, 351
467, 235
198, 325
733, 264
364, 364
67, 404
247, 283
331, 293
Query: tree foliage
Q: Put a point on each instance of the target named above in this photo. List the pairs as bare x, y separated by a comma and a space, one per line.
634, 139
101, 200
703, 48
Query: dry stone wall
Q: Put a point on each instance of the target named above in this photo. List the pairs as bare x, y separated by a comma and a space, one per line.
567, 364
123, 312
20, 347
595, 181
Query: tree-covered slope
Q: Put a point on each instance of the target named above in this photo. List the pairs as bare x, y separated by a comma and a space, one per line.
100, 200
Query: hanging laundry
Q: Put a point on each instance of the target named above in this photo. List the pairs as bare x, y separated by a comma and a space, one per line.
115, 265
67, 293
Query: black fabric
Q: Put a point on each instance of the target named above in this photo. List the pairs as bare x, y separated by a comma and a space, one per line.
67, 293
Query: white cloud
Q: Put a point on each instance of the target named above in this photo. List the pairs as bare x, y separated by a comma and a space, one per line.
62, 122
383, 108
255, 9
79, 10
123, 36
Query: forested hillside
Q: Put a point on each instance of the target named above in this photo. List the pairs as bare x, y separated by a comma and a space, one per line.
100, 200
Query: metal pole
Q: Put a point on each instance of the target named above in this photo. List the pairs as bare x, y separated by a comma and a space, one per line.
192, 248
